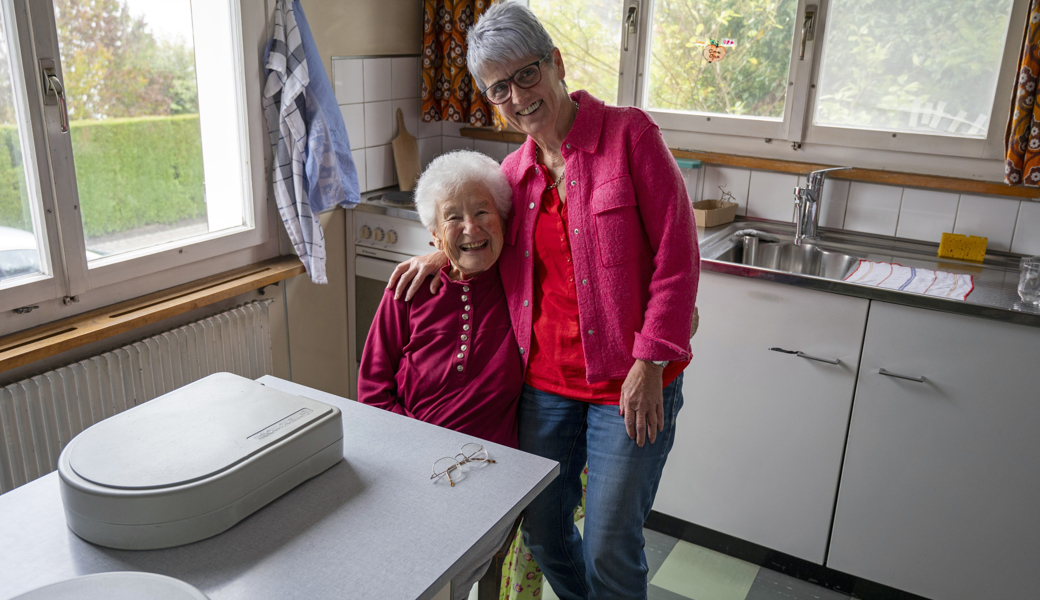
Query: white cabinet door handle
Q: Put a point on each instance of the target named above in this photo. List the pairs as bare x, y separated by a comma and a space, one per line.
801, 354
887, 373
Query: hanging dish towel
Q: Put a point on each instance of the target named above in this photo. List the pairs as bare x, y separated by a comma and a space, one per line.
893, 276
312, 167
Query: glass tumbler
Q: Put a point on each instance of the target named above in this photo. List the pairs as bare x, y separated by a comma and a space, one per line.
1029, 280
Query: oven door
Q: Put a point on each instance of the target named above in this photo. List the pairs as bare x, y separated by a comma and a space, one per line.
370, 279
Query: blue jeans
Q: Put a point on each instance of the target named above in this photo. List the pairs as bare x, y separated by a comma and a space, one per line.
623, 478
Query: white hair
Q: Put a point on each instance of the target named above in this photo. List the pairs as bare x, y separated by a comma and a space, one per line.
449, 172
506, 32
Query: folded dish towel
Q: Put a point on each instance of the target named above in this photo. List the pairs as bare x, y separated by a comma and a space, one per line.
894, 276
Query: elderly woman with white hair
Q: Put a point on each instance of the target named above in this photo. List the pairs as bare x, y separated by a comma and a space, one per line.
451, 358
600, 269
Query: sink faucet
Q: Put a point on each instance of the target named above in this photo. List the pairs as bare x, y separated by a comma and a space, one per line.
807, 205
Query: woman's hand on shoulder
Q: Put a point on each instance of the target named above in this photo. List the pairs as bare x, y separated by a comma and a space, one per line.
409, 275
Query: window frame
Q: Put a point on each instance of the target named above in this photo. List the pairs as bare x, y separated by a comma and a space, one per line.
941, 154
72, 286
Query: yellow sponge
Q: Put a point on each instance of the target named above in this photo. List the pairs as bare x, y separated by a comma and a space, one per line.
964, 247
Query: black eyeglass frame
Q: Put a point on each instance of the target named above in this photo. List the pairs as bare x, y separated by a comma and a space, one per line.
512, 79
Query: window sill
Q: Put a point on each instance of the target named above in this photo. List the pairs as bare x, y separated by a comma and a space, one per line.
48, 340
952, 184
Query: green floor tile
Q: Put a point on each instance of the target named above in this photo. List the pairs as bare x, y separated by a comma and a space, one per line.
702, 574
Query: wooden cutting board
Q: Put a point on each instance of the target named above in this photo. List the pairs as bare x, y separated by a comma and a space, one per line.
406, 156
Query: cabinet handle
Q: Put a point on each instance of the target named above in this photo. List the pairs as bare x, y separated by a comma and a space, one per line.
897, 375
801, 354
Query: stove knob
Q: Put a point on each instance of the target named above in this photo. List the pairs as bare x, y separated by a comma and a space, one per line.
391, 237
365, 232
378, 235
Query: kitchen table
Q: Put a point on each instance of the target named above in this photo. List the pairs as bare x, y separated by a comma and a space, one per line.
374, 526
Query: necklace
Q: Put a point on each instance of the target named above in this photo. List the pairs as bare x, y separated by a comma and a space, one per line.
563, 172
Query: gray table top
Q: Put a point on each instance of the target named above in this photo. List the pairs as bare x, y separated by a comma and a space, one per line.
373, 526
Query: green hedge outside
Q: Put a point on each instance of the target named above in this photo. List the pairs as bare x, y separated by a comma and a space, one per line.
130, 173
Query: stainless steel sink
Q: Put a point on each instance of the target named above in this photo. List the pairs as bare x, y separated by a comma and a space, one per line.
806, 259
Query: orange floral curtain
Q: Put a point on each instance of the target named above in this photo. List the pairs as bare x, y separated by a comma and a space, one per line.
448, 91
1022, 141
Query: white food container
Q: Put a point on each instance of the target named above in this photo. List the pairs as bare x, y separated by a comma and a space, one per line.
120, 585
190, 464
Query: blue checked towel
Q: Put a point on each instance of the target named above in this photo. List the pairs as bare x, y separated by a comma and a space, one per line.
312, 168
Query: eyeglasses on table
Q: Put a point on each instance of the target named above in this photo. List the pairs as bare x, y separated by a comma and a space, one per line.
471, 453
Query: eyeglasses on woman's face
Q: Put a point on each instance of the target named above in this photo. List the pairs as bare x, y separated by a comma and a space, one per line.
524, 78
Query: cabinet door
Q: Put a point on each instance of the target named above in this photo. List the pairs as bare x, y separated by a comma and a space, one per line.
758, 449
940, 493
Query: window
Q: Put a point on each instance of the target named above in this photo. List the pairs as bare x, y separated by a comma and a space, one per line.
926, 77
128, 129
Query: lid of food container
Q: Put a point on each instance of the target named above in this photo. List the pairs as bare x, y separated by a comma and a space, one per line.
190, 434
116, 586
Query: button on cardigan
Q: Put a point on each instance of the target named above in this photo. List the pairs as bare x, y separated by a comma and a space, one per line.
449, 359
632, 236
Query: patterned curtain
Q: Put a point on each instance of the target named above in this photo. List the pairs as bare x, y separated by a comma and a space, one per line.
448, 91
1022, 141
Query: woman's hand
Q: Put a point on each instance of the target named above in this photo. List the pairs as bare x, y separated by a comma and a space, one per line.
642, 401
410, 274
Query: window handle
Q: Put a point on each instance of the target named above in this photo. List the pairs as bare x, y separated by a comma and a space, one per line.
631, 22
808, 27
54, 92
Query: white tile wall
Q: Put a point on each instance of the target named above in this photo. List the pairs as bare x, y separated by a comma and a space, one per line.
348, 81
379, 167
771, 196
872, 208
378, 84
733, 180
514, 147
1027, 230
926, 214
992, 218
354, 118
369, 91
496, 150
410, 111
359, 164
405, 78
449, 143
425, 130
452, 129
429, 149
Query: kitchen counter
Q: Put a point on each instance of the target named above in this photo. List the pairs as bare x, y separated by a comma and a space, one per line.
372, 526
996, 280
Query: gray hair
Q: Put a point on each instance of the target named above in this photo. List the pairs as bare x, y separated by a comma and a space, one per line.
447, 173
505, 32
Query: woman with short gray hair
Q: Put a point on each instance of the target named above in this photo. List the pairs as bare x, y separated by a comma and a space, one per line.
600, 267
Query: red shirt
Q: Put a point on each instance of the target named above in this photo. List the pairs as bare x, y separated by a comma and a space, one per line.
557, 359
449, 359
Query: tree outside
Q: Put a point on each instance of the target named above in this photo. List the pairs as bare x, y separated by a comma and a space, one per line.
133, 110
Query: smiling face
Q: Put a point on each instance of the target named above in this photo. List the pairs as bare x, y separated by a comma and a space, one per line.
469, 230
535, 110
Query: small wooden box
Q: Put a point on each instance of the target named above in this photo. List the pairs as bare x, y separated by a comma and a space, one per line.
710, 213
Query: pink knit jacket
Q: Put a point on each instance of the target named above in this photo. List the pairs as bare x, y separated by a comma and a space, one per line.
632, 235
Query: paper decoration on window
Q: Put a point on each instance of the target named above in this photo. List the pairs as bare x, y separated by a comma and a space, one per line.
715, 51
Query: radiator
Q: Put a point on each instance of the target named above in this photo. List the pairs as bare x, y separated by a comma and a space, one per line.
39, 415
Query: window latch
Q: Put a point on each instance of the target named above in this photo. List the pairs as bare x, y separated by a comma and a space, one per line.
53, 91
808, 29
631, 22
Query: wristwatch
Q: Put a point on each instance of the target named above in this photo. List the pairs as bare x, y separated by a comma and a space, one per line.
660, 363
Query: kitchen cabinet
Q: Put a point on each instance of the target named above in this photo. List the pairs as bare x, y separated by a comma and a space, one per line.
759, 443
940, 487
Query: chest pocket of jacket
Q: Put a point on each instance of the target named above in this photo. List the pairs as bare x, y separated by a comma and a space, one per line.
619, 230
